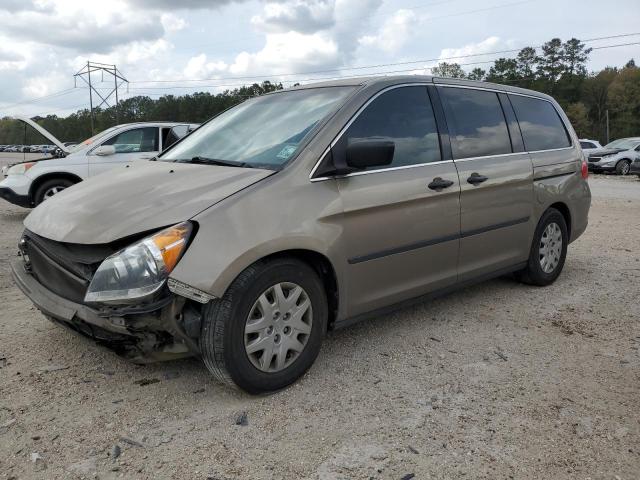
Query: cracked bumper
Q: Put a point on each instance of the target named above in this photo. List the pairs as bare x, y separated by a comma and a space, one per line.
140, 337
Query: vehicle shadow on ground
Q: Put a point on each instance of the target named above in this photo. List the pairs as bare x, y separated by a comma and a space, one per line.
191, 374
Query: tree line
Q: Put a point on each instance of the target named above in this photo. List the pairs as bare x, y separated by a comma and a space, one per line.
558, 69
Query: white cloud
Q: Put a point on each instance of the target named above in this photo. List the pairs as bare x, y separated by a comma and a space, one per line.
199, 67
172, 23
394, 33
289, 52
83, 26
490, 44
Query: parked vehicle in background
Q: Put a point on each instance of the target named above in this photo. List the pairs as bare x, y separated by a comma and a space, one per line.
587, 144
308, 209
635, 167
30, 183
616, 156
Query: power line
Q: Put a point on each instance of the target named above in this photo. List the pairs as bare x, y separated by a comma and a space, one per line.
51, 95
364, 67
367, 74
384, 72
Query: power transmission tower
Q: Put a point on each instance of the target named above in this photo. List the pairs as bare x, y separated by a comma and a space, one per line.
118, 81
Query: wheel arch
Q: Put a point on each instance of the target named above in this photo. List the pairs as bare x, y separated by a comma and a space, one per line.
325, 270
49, 176
563, 208
624, 159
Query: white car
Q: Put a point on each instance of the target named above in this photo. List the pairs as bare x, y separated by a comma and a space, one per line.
588, 144
30, 183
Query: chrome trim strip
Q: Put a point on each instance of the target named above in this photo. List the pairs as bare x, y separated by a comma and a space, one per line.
490, 156
552, 150
367, 172
489, 89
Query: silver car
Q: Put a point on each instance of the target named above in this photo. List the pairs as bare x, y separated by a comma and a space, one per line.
306, 210
616, 156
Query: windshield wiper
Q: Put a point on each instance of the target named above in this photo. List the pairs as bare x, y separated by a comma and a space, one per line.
215, 161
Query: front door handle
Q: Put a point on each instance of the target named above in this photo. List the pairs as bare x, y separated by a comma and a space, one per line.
476, 179
438, 184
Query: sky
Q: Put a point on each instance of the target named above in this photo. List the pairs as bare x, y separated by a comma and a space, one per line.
182, 46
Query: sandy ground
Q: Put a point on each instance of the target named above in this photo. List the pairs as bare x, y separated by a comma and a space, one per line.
499, 380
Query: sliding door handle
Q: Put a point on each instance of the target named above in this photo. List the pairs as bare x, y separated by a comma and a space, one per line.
438, 184
476, 179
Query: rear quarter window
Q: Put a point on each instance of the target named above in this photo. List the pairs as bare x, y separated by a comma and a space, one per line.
540, 124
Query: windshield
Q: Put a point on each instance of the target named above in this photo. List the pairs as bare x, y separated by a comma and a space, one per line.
91, 140
623, 143
261, 132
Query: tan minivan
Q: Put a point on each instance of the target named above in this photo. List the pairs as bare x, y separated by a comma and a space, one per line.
305, 210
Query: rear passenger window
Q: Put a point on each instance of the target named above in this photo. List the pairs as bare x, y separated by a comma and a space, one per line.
476, 123
404, 116
540, 124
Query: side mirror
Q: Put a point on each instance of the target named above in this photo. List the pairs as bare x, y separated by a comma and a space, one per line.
370, 153
105, 150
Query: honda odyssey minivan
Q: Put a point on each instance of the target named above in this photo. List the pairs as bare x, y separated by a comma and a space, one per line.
305, 210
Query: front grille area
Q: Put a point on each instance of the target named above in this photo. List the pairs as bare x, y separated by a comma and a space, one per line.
594, 159
63, 268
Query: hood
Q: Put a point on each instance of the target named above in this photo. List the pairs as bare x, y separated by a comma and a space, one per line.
129, 200
45, 133
599, 152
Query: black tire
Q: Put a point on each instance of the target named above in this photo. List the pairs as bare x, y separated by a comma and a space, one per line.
222, 335
533, 273
61, 183
622, 167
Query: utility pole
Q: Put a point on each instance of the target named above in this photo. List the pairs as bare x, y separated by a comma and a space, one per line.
118, 81
607, 114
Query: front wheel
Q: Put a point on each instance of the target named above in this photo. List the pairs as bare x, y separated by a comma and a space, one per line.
623, 167
548, 250
266, 331
50, 188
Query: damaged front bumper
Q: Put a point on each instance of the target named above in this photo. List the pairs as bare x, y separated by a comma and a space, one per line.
165, 330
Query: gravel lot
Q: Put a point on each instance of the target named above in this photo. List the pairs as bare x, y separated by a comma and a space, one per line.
7, 158
499, 380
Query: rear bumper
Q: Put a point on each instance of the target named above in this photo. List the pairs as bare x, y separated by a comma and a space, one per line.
141, 337
12, 197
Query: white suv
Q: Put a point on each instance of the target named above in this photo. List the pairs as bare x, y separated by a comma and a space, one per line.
30, 183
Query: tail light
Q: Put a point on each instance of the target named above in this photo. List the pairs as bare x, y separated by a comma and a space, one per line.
585, 169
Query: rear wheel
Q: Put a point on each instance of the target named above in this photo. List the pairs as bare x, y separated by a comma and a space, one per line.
266, 331
548, 250
623, 167
50, 188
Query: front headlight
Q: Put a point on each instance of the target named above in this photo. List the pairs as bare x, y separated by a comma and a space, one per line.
20, 169
140, 270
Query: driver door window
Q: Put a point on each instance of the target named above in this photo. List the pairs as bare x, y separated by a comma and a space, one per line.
137, 140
